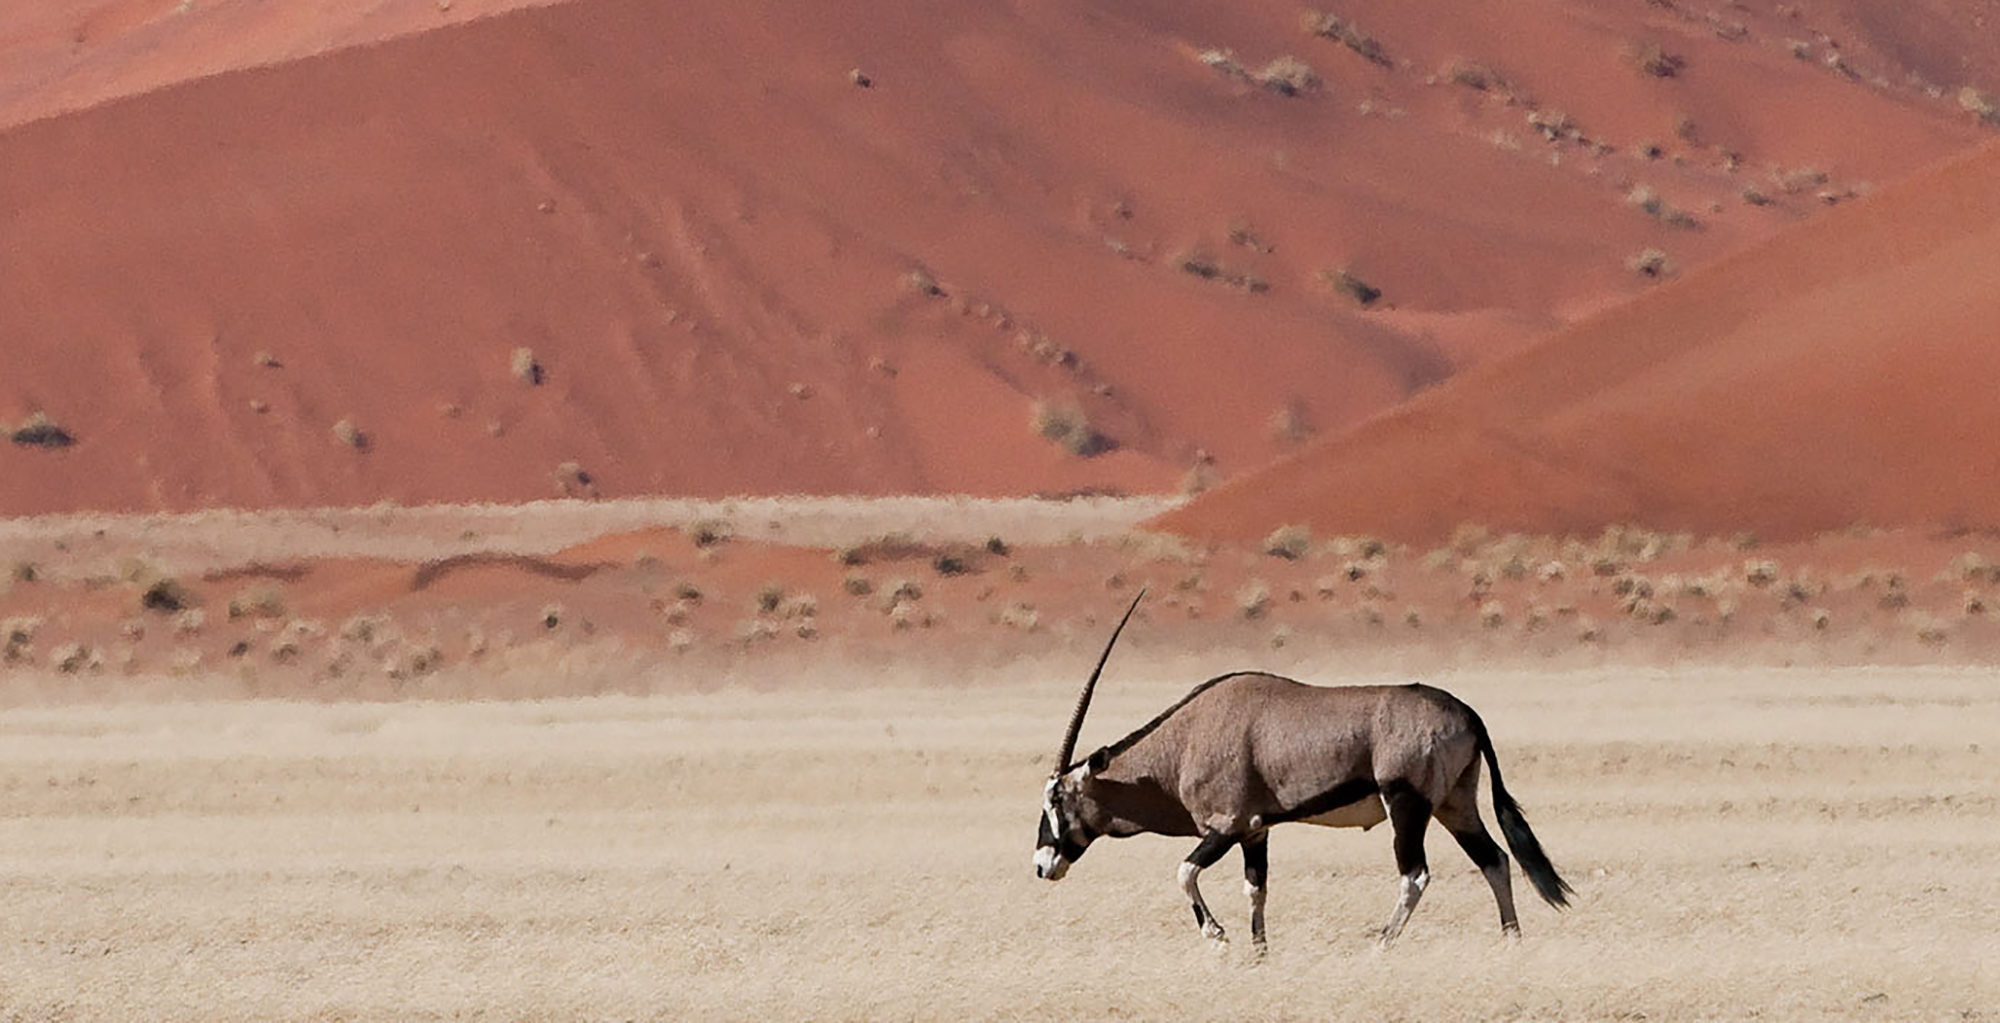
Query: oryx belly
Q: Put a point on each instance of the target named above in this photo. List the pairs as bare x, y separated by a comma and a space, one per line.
1363, 813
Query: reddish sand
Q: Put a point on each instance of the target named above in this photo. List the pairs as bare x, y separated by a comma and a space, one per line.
1840, 374
702, 230
652, 609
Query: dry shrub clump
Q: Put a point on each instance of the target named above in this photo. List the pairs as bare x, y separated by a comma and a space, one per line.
1980, 103
39, 431
523, 366
1652, 59
1344, 32
1288, 542
1223, 63
1069, 428
1650, 262
1196, 263
1344, 282
350, 435
707, 533
1288, 76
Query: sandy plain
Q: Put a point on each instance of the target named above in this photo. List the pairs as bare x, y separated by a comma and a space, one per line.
1769, 843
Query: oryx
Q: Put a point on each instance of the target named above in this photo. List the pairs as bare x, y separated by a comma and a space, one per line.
1246, 751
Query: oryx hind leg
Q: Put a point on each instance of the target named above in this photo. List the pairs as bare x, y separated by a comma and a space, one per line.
1409, 815
1460, 815
1256, 870
1203, 857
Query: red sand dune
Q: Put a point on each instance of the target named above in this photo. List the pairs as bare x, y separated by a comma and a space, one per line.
702, 230
1840, 374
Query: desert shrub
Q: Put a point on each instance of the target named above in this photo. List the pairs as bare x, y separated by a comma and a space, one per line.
1224, 63
709, 532
264, 601
350, 435
1019, 615
858, 585
1650, 262
522, 365
1069, 428
997, 546
1253, 601
950, 563
922, 283
769, 596
1288, 542
1982, 103
1288, 76
39, 431
1288, 425
1344, 282
1652, 59
163, 593
1329, 26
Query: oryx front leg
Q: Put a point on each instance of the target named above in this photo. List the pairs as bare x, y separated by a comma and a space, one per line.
1256, 868
1204, 856
1409, 814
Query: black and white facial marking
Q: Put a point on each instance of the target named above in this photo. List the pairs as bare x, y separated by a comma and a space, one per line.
1063, 837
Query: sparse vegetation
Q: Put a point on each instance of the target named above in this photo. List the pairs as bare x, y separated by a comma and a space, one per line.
1288, 76
39, 431
1981, 103
350, 435
921, 282
1652, 59
1650, 263
1344, 282
1069, 428
524, 367
1289, 426
260, 601
769, 596
1288, 542
1224, 63
1649, 201
707, 533
1197, 263
1253, 601
1329, 26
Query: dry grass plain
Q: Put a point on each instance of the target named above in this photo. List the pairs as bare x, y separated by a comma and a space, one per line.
1769, 843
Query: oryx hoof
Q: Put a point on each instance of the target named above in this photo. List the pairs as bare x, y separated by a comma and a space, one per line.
1213, 932
1258, 949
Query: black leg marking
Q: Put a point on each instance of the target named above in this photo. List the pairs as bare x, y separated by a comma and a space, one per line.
1410, 812
1410, 815
1256, 868
1200, 916
1256, 860
1210, 850
1480, 847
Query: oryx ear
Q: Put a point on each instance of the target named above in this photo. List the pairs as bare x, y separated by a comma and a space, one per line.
1098, 761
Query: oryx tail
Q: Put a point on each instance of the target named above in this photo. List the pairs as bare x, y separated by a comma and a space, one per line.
1514, 825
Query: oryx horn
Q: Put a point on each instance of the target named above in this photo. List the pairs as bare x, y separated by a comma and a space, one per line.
1083, 701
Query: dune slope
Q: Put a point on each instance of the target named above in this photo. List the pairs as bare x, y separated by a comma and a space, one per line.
606, 247
1835, 376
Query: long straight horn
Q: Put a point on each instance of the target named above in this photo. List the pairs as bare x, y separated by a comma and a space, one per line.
1083, 701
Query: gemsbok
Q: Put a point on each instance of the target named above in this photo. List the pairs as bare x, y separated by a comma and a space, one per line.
1247, 751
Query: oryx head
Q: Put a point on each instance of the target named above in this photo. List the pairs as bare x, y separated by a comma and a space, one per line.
1065, 834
